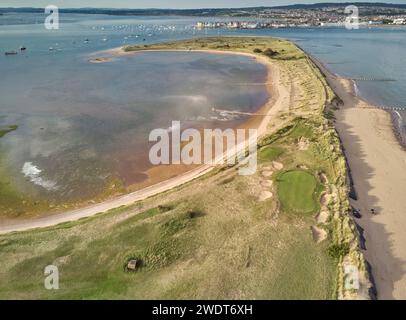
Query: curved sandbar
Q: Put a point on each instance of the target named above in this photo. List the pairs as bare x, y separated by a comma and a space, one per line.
279, 94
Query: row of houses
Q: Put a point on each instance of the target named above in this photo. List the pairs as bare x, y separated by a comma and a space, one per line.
242, 25
399, 21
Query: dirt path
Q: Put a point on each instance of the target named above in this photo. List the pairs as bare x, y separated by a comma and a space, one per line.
278, 102
378, 167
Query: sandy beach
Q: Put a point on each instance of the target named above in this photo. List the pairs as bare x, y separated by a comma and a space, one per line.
279, 96
377, 162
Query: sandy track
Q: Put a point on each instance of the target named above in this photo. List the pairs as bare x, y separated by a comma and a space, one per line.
279, 96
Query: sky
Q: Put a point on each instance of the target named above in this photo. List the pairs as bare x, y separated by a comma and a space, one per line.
164, 3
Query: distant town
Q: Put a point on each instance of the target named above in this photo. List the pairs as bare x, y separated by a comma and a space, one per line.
299, 15
311, 17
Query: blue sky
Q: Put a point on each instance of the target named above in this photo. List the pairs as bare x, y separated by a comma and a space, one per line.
162, 3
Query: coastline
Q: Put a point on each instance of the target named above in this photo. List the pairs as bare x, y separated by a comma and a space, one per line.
396, 118
157, 174
376, 160
260, 120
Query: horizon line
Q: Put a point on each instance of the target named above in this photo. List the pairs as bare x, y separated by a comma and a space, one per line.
215, 8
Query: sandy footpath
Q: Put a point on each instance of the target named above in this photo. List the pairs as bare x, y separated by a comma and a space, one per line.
279, 96
378, 166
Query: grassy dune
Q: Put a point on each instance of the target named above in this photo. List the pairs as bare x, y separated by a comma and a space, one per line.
216, 237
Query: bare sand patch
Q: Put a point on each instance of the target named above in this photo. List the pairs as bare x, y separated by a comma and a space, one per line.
324, 199
323, 178
319, 234
265, 195
266, 183
277, 165
322, 217
267, 173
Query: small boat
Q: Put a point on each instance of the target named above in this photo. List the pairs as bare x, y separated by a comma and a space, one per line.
11, 53
52, 49
23, 48
86, 41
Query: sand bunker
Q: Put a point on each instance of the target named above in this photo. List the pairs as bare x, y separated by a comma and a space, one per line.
323, 178
322, 217
319, 235
266, 183
277, 165
267, 173
324, 199
265, 195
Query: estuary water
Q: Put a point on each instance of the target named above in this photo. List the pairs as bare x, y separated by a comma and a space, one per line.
83, 126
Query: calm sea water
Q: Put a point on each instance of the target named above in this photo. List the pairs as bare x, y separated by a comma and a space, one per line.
83, 125
90, 119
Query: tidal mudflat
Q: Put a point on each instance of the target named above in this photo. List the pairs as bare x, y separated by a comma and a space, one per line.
83, 130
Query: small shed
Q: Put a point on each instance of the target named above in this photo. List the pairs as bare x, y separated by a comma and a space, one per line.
132, 264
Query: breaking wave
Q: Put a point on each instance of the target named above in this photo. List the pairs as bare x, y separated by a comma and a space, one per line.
33, 173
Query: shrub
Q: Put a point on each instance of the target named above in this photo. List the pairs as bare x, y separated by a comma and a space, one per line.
165, 208
339, 250
192, 214
270, 53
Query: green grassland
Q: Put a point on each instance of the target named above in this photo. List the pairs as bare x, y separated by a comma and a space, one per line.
209, 239
215, 237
